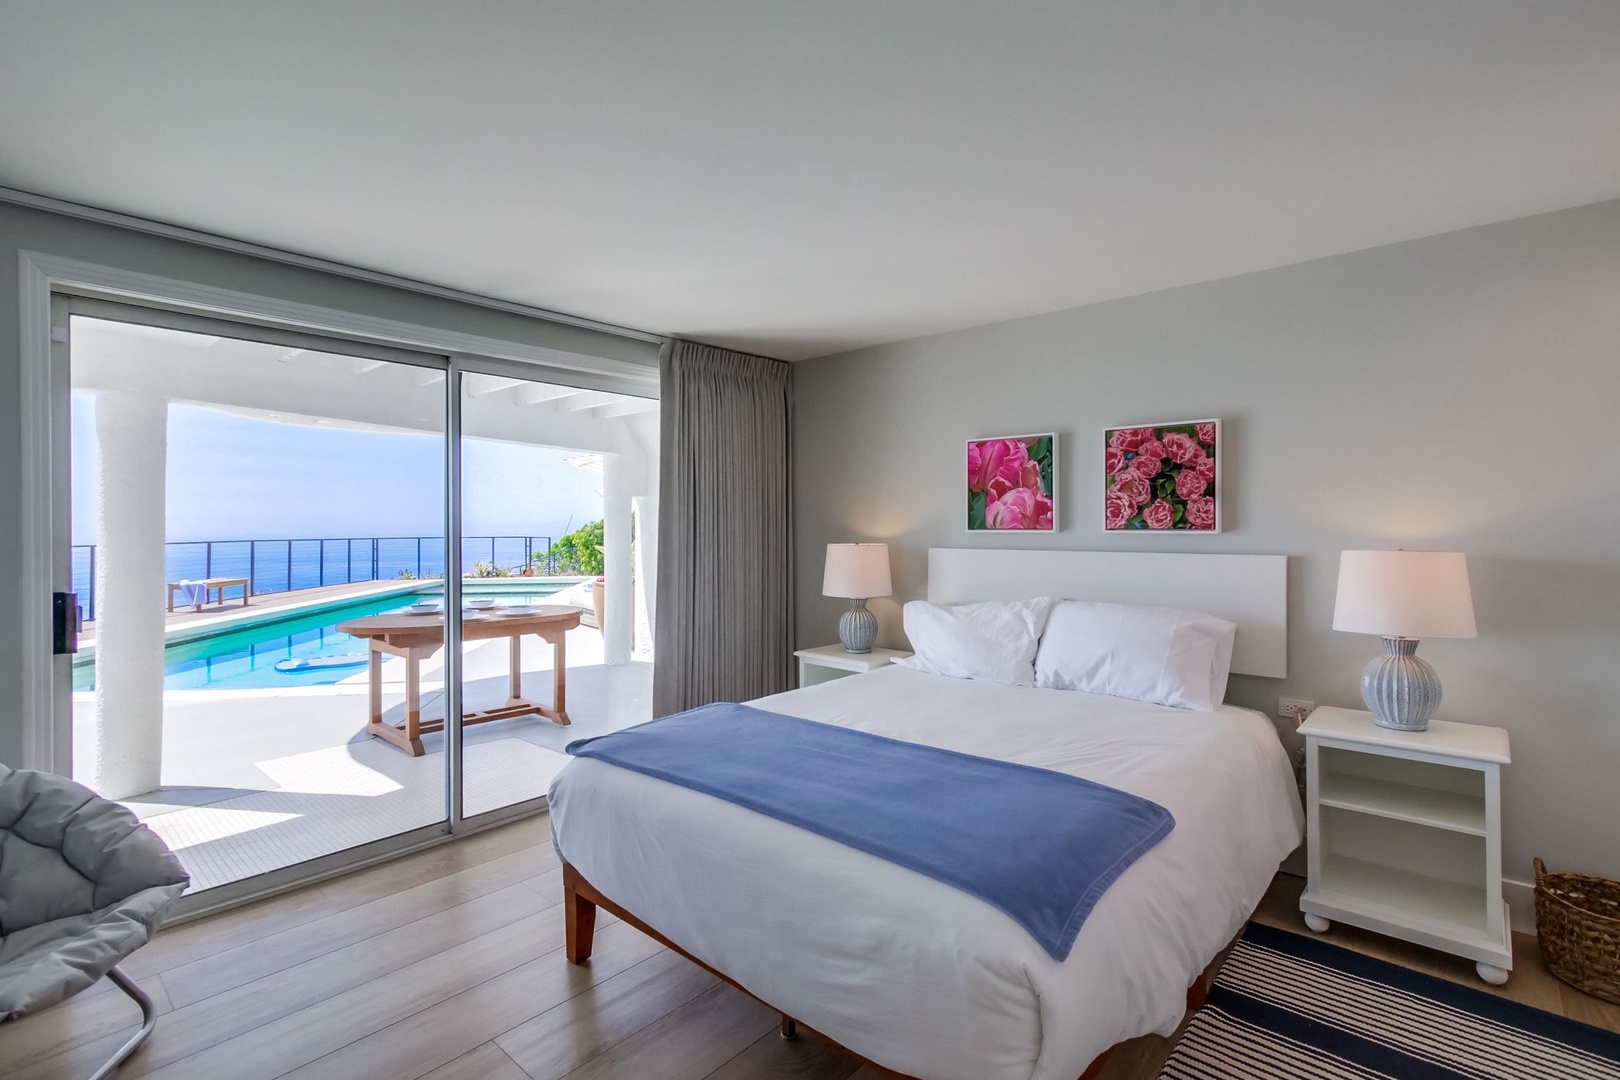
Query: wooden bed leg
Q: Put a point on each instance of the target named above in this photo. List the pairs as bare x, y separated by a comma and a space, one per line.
580, 917
1197, 993
790, 1027
1095, 1069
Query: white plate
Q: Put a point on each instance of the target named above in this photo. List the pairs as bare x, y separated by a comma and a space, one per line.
423, 609
482, 604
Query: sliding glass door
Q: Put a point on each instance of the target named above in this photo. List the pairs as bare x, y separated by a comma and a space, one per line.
557, 487
336, 598
249, 518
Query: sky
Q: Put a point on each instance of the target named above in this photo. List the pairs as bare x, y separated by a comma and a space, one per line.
232, 477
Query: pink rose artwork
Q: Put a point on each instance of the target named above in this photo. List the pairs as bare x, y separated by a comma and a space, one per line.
1129, 438
1162, 477
1201, 512
1146, 466
1120, 508
1009, 483
1134, 487
994, 459
1182, 449
1190, 483
1020, 508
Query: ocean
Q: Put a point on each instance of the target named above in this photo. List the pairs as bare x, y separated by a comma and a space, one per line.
280, 565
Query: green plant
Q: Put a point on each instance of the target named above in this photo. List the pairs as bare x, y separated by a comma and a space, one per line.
489, 569
580, 552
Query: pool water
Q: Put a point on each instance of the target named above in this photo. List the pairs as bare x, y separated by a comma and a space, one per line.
246, 657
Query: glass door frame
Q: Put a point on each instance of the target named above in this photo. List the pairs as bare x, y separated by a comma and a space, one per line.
465, 364
64, 307
45, 279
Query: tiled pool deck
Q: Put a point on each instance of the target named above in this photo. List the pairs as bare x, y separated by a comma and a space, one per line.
254, 780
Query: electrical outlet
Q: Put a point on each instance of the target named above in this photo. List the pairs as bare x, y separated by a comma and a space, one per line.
1294, 709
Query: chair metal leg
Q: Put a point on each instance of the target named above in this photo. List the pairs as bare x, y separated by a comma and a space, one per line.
148, 1023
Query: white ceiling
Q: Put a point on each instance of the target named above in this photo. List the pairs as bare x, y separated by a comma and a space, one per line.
799, 179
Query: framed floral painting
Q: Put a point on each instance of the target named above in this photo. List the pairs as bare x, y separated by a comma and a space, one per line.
1011, 483
1163, 478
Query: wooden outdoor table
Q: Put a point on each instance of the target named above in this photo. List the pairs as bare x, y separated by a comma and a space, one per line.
415, 638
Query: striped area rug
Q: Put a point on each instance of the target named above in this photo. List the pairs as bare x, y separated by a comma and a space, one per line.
1285, 1005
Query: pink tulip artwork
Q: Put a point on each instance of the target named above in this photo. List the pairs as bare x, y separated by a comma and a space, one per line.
1010, 483
1163, 478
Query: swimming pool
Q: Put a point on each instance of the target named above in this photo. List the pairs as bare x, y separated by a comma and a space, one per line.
246, 657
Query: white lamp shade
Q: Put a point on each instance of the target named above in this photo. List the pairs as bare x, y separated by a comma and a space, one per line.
857, 571
1411, 594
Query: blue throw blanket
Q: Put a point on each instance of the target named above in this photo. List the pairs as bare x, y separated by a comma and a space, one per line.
1040, 846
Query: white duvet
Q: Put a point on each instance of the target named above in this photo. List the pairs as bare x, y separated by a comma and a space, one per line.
909, 972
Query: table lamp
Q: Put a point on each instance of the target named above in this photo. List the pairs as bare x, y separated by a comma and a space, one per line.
1402, 596
857, 572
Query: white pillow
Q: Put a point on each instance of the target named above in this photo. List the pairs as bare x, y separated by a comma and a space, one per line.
1160, 655
994, 641
1222, 671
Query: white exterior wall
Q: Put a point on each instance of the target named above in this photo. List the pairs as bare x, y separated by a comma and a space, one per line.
126, 754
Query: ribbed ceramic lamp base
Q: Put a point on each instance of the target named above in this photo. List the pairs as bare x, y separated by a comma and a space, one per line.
858, 628
1400, 688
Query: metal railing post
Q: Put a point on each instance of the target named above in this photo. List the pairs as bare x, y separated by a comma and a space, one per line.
289, 566
253, 565
208, 559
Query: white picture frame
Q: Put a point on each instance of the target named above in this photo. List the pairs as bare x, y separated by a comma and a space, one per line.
1012, 483
1174, 488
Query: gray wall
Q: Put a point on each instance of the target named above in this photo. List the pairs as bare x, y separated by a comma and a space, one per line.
34, 230
1460, 392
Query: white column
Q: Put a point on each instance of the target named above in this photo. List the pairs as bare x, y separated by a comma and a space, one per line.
646, 559
618, 631
127, 757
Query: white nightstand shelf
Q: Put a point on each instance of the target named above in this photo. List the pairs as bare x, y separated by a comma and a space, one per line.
1406, 835
828, 662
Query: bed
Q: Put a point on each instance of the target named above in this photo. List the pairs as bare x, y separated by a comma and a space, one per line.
909, 973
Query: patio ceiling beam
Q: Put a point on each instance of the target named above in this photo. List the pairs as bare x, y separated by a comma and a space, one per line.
588, 399
491, 384
626, 408
535, 393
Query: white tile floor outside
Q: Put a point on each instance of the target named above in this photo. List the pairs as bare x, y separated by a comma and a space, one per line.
340, 797
254, 780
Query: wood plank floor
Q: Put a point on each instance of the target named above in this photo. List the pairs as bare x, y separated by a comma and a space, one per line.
448, 965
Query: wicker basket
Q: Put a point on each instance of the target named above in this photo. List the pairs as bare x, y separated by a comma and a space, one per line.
1578, 924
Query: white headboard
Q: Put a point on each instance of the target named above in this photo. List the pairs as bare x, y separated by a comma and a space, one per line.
1249, 590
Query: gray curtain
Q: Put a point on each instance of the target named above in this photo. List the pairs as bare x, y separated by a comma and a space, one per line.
725, 532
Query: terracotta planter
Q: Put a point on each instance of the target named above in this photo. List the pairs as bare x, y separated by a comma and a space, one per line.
598, 590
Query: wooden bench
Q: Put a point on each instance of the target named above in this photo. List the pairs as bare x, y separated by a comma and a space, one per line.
215, 585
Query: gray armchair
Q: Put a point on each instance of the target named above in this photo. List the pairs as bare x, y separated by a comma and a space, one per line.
82, 885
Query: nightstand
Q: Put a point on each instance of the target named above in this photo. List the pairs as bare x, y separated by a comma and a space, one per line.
831, 662
1405, 834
